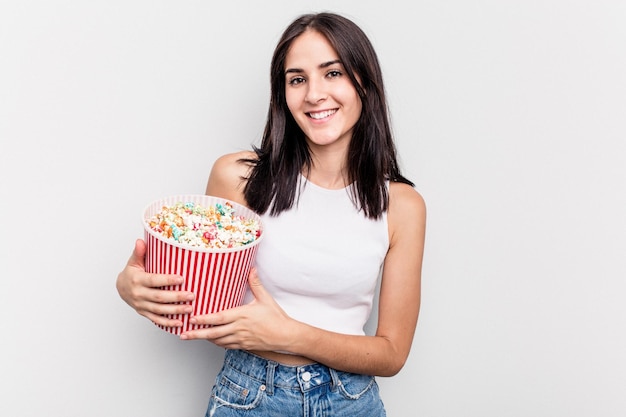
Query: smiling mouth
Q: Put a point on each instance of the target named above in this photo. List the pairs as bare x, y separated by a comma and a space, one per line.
322, 114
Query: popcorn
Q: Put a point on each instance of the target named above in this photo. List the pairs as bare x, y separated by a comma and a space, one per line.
200, 238
215, 226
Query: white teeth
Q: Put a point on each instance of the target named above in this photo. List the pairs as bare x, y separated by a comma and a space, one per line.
322, 115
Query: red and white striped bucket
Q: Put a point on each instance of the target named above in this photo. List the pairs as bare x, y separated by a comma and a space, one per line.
218, 277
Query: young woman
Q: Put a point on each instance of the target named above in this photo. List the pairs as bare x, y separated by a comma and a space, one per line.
337, 213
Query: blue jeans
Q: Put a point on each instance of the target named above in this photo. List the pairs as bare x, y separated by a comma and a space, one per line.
251, 386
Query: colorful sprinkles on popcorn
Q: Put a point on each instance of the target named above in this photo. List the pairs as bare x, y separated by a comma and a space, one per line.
213, 227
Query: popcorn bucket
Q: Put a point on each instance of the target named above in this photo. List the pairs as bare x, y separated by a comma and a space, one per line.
217, 276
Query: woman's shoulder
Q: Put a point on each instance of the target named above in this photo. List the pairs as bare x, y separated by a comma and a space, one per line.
235, 160
228, 175
404, 196
236, 164
407, 208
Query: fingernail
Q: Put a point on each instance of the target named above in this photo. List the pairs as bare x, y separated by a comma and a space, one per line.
190, 297
184, 336
193, 320
188, 310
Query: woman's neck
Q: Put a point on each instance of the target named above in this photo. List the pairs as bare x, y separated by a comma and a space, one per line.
327, 176
328, 171
330, 181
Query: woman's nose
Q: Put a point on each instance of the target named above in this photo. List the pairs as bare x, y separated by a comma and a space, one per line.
315, 92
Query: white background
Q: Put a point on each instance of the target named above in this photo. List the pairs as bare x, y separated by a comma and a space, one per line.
509, 117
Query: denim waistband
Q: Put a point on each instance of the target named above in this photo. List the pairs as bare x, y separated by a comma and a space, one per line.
273, 374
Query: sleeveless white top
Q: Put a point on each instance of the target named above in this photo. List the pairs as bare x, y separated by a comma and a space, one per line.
321, 259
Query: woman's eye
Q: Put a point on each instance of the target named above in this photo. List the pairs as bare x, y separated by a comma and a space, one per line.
333, 74
296, 80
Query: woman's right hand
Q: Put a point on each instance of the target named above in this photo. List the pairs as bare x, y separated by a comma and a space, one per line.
145, 293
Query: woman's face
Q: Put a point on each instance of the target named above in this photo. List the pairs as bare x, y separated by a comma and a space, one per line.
319, 94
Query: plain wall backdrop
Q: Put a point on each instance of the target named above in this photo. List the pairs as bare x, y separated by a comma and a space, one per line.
509, 116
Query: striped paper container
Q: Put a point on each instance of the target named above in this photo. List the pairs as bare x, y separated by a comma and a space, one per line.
218, 277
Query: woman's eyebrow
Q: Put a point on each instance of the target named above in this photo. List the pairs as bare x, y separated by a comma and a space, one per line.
322, 65
329, 63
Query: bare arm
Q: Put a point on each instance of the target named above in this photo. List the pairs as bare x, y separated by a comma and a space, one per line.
399, 302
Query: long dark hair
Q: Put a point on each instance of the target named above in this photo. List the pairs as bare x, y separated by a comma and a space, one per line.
284, 153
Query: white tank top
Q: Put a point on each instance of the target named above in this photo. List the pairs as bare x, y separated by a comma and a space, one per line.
321, 259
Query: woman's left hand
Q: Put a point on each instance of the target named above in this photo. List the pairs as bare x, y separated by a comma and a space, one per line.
259, 325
